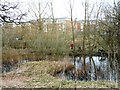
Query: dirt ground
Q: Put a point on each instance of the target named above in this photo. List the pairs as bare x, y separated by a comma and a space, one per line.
14, 79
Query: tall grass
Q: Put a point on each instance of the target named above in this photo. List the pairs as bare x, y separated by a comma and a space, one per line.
52, 42
34, 46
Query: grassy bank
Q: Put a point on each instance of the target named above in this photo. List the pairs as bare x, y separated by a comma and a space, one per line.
40, 74
13, 56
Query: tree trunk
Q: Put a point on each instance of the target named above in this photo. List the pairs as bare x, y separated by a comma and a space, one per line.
94, 68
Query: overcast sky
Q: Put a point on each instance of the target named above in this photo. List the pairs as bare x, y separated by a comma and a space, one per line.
60, 7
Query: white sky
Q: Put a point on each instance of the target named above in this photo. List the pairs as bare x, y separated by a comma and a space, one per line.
61, 7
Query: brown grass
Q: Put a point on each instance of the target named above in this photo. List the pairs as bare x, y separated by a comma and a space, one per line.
58, 66
12, 56
36, 75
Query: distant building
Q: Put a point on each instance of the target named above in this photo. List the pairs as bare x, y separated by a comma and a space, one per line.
59, 24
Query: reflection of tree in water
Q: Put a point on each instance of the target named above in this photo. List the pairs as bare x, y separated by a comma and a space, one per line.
79, 74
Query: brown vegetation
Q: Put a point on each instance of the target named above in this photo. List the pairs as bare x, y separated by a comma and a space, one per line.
13, 56
58, 67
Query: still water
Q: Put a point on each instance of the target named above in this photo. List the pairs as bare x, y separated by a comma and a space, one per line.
102, 70
101, 65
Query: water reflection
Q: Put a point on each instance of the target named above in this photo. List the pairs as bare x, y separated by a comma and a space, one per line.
98, 72
101, 71
9, 67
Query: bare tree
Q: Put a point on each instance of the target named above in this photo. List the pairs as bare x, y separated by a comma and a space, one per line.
39, 12
84, 37
52, 16
72, 28
10, 13
110, 35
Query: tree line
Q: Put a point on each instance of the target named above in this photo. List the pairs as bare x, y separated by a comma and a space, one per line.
103, 34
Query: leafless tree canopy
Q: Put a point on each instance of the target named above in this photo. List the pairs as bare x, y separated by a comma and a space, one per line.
10, 13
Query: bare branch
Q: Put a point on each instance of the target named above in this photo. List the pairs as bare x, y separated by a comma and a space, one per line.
6, 7
10, 13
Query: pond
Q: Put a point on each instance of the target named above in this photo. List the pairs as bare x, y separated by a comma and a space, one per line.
9, 67
102, 71
99, 72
